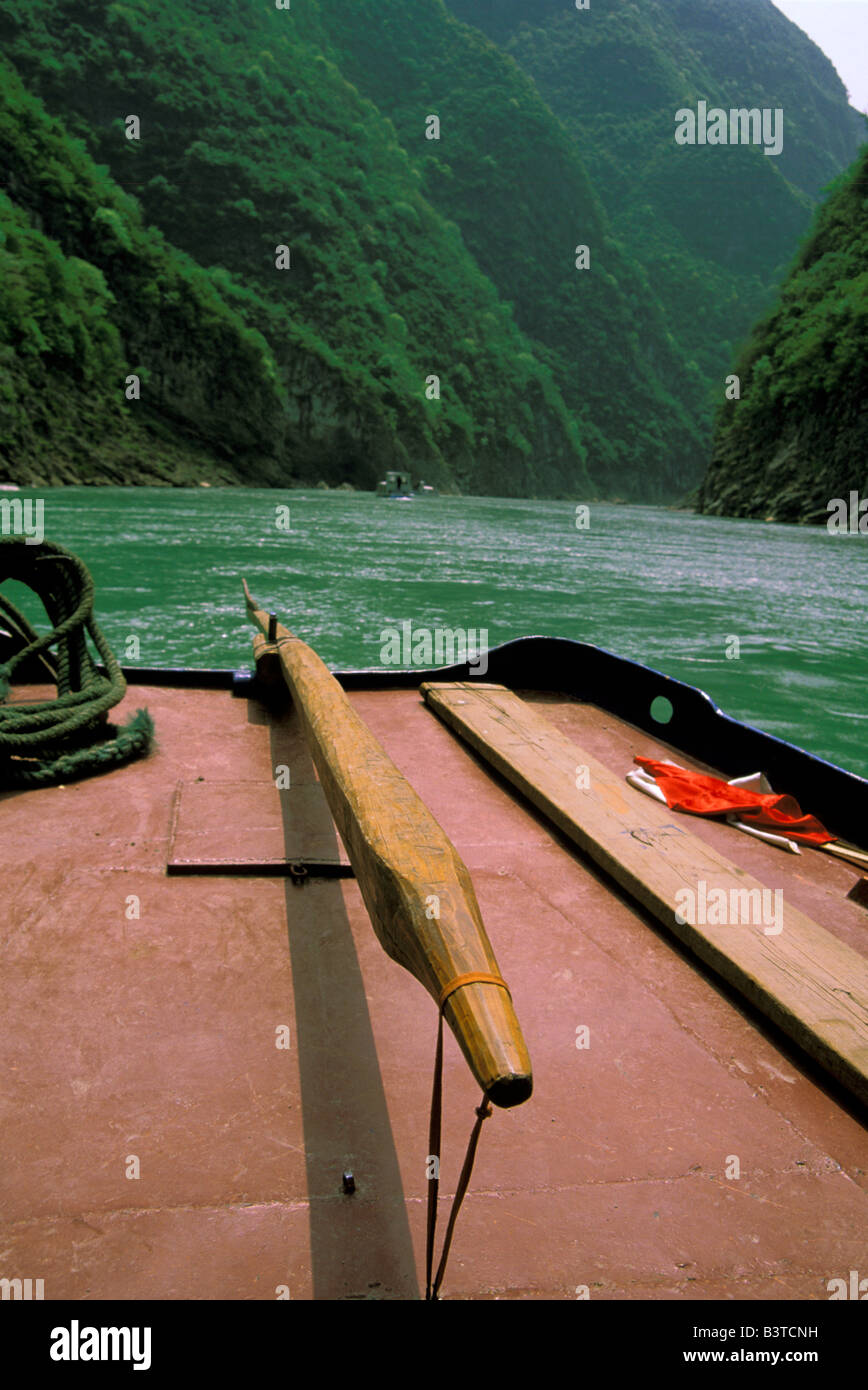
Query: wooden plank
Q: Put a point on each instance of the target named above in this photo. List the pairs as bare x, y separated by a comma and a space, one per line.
813, 986
416, 888
857, 857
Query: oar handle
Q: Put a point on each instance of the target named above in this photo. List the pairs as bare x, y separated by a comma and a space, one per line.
271, 629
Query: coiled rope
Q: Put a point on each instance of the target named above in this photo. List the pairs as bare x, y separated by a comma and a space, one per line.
60, 740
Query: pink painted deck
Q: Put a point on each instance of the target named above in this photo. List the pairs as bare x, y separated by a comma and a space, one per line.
148, 1043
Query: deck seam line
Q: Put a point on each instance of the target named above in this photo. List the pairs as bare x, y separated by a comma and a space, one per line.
301, 1205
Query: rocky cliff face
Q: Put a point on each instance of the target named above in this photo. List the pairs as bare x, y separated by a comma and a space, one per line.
796, 439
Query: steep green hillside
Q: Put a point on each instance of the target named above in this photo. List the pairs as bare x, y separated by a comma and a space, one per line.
512, 179
262, 127
714, 227
410, 260
88, 296
798, 437
250, 139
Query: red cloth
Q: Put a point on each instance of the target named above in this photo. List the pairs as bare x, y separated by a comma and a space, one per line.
709, 796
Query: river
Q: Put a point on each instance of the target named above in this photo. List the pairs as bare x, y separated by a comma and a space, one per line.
666, 588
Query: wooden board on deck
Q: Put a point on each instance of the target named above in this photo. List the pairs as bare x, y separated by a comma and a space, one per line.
813, 986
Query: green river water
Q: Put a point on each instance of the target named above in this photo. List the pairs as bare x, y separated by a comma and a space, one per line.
666, 588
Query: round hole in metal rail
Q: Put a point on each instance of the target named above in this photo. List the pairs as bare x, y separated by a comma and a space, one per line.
661, 710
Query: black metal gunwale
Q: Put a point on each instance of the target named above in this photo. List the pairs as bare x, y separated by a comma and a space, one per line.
624, 688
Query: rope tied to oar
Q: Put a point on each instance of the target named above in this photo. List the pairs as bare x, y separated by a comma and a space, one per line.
432, 1287
49, 741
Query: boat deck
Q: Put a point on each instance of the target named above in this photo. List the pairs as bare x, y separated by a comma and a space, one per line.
153, 1037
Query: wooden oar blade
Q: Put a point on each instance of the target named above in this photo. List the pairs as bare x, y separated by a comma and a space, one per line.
416, 888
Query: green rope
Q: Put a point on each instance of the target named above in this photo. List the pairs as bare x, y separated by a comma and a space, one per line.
59, 740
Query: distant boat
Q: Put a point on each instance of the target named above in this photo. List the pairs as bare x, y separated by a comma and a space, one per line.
397, 487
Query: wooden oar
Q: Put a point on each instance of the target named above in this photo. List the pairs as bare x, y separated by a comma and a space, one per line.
415, 886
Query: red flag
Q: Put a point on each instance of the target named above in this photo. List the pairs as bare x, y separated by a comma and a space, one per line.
709, 796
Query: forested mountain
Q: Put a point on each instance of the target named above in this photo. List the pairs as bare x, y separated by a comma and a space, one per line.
88, 295
798, 437
409, 258
512, 179
233, 162
714, 228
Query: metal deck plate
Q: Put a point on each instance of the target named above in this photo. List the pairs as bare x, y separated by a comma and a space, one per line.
252, 828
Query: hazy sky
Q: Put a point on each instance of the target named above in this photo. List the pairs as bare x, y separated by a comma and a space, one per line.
840, 28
